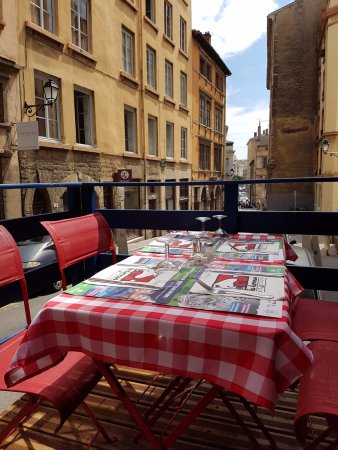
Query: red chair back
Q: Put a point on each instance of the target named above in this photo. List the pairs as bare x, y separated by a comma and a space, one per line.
11, 266
79, 238
318, 393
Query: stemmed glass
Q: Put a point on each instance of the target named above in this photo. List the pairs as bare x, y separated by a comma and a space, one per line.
220, 232
166, 263
203, 220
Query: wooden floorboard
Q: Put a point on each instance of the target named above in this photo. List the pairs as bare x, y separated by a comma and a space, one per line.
215, 428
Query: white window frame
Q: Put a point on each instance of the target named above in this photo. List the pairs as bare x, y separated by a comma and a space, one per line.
46, 114
150, 10
152, 135
183, 35
168, 79
151, 67
41, 13
168, 19
87, 113
78, 17
169, 139
130, 133
128, 51
184, 138
183, 89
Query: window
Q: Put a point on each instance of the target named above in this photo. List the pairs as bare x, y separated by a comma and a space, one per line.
218, 119
170, 139
168, 20
48, 118
205, 107
128, 52
80, 23
219, 82
150, 10
205, 68
42, 14
152, 135
170, 197
183, 93
217, 158
129, 129
151, 67
183, 35
83, 102
184, 135
204, 155
168, 79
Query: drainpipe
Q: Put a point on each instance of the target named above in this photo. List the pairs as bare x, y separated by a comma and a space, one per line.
141, 109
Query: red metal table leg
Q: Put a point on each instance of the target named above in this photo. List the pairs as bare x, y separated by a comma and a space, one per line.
176, 432
122, 395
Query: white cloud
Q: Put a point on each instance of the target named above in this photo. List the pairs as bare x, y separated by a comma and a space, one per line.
234, 24
244, 122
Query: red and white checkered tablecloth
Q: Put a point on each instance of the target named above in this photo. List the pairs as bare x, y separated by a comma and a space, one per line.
256, 357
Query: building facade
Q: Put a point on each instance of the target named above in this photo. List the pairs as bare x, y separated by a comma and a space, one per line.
292, 78
326, 198
124, 72
258, 147
209, 75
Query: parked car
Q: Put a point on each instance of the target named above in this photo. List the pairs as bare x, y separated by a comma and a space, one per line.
37, 252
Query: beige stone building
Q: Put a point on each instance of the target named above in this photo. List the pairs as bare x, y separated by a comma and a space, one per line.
10, 113
209, 74
292, 78
124, 72
258, 147
326, 198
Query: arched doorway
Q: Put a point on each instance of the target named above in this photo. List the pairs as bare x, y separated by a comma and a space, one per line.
41, 202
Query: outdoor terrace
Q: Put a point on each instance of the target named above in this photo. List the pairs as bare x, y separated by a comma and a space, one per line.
215, 428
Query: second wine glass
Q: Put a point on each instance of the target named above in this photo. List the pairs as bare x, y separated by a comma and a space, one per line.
166, 263
220, 232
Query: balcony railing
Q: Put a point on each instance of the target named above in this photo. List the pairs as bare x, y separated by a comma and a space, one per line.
81, 201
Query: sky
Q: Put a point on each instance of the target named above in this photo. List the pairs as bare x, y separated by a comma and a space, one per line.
238, 33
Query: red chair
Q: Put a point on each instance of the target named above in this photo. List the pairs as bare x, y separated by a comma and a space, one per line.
67, 384
11, 267
315, 319
318, 396
80, 238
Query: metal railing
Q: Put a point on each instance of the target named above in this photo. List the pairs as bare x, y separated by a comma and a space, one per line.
81, 201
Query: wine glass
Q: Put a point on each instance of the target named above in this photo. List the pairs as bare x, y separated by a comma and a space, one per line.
220, 232
203, 220
166, 264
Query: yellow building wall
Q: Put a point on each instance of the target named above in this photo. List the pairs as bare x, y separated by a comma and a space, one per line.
329, 107
100, 72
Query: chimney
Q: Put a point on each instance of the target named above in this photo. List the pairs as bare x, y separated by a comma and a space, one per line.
207, 37
259, 129
255, 134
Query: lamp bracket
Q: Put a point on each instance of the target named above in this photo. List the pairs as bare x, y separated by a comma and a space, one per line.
29, 111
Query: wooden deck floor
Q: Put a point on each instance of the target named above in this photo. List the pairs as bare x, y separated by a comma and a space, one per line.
214, 429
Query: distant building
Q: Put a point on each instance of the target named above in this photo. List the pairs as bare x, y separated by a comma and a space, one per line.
258, 164
292, 78
209, 74
229, 170
240, 167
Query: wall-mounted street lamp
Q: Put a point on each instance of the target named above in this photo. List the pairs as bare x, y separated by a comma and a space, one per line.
50, 93
325, 148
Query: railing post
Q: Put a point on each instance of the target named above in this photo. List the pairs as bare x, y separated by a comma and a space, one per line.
74, 200
88, 198
231, 206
